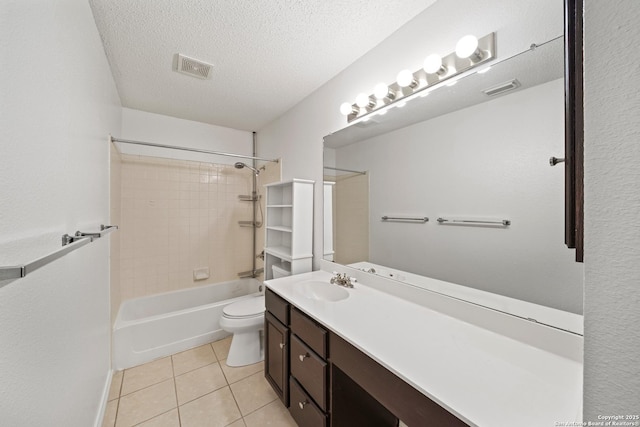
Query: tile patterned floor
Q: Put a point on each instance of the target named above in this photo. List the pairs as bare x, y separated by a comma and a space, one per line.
194, 388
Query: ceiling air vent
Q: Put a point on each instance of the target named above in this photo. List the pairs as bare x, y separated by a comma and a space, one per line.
192, 67
502, 87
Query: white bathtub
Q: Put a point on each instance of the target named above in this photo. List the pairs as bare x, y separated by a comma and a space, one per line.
150, 327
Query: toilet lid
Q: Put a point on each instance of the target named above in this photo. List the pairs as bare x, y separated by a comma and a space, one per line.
246, 308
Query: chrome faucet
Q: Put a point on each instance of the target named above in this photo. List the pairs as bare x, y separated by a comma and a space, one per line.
342, 280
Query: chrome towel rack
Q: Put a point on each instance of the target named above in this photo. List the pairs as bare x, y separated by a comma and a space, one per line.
502, 222
69, 244
405, 219
104, 229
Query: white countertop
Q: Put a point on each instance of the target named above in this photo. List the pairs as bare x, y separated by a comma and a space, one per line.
549, 316
485, 378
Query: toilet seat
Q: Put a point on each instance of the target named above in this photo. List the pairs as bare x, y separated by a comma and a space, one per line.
250, 307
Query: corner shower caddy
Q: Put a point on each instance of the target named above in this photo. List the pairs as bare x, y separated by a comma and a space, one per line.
289, 227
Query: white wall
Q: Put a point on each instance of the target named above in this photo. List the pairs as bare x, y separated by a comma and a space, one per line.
59, 103
612, 340
612, 209
297, 135
486, 161
156, 128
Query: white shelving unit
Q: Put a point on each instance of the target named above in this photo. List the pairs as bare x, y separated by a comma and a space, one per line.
289, 227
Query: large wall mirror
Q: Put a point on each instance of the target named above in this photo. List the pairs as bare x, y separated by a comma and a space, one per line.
461, 154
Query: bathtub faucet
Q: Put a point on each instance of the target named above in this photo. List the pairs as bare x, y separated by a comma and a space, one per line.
343, 280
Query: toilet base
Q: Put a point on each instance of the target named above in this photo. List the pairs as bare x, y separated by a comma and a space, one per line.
246, 349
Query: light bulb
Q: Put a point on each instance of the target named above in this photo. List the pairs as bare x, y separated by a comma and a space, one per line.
467, 46
405, 79
381, 91
433, 64
362, 100
346, 109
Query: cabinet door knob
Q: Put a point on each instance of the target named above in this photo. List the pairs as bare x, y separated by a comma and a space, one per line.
302, 357
282, 345
302, 404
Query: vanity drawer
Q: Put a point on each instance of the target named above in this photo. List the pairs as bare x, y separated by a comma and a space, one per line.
302, 408
277, 306
310, 332
310, 371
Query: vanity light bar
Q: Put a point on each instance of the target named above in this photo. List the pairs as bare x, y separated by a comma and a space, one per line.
470, 53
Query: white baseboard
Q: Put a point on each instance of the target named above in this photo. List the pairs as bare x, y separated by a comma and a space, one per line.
104, 400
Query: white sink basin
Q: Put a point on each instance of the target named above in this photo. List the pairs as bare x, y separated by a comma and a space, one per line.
322, 291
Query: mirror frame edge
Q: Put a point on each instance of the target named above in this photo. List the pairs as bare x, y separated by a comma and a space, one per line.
574, 127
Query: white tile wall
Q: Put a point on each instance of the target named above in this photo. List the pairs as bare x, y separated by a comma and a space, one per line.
351, 220
115, 218
180, 215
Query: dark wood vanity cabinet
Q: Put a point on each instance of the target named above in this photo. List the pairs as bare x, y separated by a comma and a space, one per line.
353, 370
325, 381
276, 336
309, 380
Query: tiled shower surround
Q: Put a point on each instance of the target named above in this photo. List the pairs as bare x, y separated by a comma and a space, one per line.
115, 212
177, 216
351, 218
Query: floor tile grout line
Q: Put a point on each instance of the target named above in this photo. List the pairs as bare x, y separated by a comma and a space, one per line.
231, 390
207, 393
191, 370
214, 351
223, 373
155, 416
146, 387
195, 369
234, 397
241, 418
240, 379
149, 385
256, 410
115, 419
175, 388
173, 377
236, 402
121, 385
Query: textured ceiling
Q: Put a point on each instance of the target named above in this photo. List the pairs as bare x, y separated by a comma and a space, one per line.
267, 55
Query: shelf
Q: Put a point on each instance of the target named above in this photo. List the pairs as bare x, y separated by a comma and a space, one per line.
281, 252
284, 253
289, 207
280, 228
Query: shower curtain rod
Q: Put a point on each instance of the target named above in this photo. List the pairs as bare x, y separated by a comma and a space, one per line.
195, 150
344, 170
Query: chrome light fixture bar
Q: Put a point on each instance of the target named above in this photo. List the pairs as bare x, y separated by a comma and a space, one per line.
470, 53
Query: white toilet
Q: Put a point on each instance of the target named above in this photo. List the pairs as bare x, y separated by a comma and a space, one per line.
279, 271
245, 320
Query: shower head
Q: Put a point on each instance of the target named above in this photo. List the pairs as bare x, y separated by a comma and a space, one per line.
240, 165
